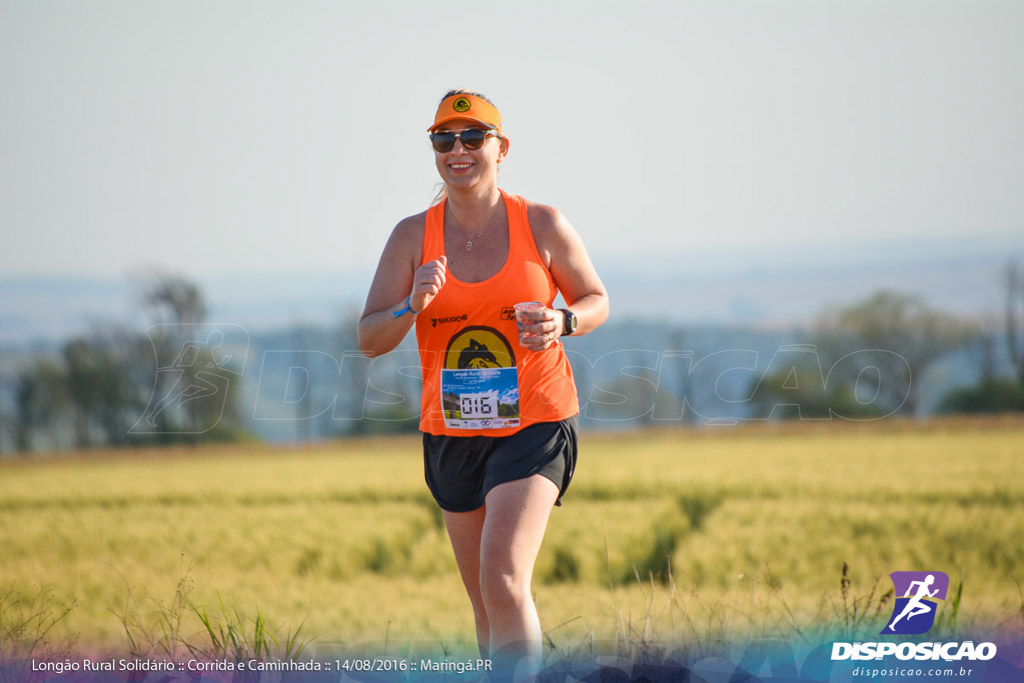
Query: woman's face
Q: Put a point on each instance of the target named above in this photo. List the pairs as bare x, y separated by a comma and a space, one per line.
463, 167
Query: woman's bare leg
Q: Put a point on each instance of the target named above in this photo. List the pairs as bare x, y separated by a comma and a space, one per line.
464, 531
514, 525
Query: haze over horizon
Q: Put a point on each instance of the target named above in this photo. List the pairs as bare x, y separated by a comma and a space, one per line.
781, 288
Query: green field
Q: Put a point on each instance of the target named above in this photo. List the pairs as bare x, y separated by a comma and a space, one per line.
756, 524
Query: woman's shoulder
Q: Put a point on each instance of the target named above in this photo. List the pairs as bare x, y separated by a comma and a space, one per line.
552, 232
550, 228
543, 216
411, 226
406, 238
408, 232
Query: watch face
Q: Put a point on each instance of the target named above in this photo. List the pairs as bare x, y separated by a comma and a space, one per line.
570, 322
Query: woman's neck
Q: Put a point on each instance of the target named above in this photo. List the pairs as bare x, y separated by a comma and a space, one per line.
471, 208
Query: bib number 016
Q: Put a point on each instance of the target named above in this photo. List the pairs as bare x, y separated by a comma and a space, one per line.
478, 405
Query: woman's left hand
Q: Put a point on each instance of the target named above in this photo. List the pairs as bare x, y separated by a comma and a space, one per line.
544, 331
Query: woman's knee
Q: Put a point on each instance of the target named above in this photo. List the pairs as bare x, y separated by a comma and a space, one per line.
503, 589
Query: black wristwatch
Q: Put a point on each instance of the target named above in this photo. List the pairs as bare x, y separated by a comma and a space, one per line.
570, 322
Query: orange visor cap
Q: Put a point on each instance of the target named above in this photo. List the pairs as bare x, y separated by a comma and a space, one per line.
467, 107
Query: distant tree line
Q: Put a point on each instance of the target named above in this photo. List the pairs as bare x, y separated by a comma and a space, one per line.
177, 382
102, 385
994, 393
872, 356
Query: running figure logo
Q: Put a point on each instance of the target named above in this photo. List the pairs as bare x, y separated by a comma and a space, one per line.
194, 371
917, 599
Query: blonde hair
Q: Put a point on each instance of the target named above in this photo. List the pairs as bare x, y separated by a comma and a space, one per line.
441, 190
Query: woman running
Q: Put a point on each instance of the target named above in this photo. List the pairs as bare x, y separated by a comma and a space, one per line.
499, 406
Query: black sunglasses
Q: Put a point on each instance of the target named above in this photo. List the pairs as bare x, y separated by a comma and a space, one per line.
471, 138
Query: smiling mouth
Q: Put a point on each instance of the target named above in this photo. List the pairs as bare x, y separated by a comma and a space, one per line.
459, 166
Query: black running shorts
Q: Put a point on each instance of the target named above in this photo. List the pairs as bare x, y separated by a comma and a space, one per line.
461, 470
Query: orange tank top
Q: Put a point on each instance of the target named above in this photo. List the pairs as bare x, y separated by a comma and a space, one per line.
477, 379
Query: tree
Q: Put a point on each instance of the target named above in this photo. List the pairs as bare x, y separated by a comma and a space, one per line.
994, 393
41, 402
179, 376
990, 395
98, 382
888, 341
1014, 321
173, 299
799, 393
178, 306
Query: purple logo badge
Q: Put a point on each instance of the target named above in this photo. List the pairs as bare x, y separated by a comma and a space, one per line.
917, 600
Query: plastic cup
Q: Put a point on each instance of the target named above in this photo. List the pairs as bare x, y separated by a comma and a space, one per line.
526, 314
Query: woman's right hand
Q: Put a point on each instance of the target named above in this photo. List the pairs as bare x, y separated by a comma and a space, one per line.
427, 282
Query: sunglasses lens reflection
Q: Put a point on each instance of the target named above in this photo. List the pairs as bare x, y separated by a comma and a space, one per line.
443, 142
471, 139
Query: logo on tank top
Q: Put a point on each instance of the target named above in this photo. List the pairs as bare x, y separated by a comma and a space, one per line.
479, 381
434, 322
461, 105
477, 348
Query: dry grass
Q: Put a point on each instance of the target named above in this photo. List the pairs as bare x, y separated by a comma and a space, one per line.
666, 537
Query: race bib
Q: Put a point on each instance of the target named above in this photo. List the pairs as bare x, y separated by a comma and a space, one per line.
480, 383
480, 399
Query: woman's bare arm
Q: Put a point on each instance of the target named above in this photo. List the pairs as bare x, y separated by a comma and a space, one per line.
398, 276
